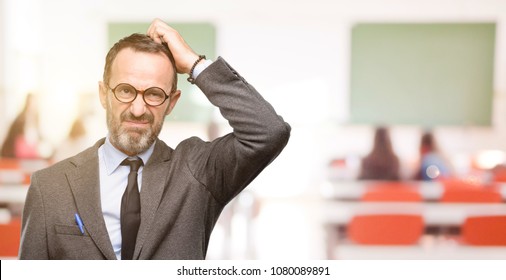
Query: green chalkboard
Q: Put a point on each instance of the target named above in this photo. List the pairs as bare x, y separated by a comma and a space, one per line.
428, 74
191, 106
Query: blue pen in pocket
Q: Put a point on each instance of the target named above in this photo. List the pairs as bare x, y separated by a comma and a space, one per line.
79, 223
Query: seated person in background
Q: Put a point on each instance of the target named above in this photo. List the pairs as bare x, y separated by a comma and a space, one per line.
381, 163
23, 136
432, 163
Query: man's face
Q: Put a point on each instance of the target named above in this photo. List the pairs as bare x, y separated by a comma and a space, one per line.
133, 127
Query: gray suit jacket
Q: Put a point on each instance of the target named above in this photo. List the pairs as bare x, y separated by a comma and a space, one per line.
183, 190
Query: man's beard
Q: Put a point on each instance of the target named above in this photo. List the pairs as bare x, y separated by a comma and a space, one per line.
132, 141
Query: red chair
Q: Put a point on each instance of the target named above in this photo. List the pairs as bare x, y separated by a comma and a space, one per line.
485, 231
471, 195
457, 190
9, 163
386, 229
10, 235
391, 192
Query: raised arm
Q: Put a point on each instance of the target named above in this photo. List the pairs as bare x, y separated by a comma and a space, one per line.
228, 164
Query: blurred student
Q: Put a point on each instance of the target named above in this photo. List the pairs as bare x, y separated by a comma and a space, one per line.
23, 137
381, 163
432, 165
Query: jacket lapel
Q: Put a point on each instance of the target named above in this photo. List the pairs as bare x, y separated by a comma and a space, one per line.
153, 184
84, 182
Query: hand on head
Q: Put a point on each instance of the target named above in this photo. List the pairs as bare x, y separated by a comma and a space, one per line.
161, 32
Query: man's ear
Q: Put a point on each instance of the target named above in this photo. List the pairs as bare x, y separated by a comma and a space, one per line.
102, 92
174, 97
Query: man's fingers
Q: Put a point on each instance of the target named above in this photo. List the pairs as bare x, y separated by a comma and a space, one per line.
184, 56
157, 39
156, 31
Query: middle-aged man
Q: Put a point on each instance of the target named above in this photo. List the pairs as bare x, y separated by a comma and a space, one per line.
89, 206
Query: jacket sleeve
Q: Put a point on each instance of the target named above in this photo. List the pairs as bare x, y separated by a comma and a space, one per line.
33, 232
228, 164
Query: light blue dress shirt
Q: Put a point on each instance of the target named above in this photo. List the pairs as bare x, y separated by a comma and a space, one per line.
113, 182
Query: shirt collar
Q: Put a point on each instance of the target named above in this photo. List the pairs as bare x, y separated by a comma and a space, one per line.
113, 157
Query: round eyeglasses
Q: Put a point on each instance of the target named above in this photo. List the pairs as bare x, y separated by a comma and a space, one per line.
126, 93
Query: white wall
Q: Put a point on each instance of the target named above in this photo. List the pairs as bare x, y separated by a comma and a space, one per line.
295, 52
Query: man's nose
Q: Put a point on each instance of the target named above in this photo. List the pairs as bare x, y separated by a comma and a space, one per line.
138, 106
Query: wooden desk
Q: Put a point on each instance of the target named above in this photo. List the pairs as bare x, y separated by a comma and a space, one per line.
424, 251
5, 216
355, 189
434, 214
13, 193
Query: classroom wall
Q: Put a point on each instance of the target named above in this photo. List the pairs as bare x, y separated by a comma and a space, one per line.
295, 52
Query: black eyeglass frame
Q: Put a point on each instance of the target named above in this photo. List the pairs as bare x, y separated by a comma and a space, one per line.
137, 93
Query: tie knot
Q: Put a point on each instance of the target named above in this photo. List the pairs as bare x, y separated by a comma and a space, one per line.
133, 163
